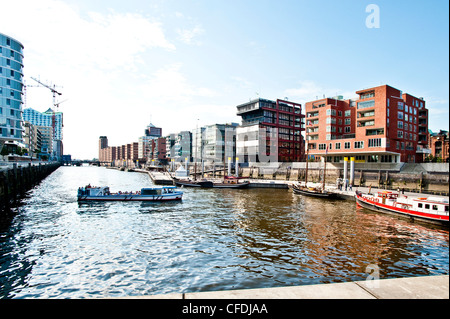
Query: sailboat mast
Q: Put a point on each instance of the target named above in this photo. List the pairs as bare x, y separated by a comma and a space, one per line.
306, 173
325, 170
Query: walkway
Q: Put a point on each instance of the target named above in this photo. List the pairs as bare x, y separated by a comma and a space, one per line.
428, 287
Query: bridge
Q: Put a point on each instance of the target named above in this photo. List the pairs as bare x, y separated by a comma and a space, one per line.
81, 162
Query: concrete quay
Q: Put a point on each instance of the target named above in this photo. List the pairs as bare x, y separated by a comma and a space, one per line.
427, 287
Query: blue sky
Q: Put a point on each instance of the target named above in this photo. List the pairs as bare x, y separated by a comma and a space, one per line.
180, 63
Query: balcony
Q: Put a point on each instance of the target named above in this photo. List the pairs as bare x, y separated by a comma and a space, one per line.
422, 150
364, 123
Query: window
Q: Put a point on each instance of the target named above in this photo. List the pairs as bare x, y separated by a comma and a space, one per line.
400, 115
322, 146
400, 124
427, 206
348, 113
367, 95
331, 112
420, 205
348, 121
374, 142
400, 134
337, 146
347, 145
347, 129
366, 104
359, 144
435, 207
406, 117
400, 105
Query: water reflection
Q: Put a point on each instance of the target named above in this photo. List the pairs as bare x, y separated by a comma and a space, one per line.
214, 239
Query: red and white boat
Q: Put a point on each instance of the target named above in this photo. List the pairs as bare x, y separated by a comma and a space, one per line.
431, 209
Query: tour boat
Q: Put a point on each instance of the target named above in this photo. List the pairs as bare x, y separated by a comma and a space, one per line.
431, 209
158, 193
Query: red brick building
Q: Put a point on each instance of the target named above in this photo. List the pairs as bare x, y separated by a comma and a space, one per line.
127, 153
439, 146
381, 125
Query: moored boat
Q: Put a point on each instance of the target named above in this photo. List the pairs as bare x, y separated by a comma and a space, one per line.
312, 191
159, 193
231, 182
429, 209
190, 183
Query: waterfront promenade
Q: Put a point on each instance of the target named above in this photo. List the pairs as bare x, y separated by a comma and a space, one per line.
427, 287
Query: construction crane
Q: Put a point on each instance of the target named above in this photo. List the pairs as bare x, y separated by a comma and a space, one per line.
53, 89
54, 92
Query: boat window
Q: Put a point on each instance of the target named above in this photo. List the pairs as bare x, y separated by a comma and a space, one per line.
446, 208
427, 206
149, 192
435, 207
420, 205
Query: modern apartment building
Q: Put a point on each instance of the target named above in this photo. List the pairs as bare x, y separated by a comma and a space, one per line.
182, 149
11, 89
145, 142
381, 125
270, 131
53, 121
214, 143
32, 139
124, 155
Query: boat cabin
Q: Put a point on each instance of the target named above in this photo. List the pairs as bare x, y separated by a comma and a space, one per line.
93, 191
385, 195
434, 205
158, 190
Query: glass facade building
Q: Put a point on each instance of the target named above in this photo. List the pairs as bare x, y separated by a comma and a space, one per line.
45, 119
11, 89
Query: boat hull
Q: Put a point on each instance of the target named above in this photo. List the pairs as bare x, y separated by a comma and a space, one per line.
387, 209
204, 184
132, 198
306, 192
230, 185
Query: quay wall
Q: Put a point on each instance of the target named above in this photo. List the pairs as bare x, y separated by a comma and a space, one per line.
427, 178
419, 178
16, 180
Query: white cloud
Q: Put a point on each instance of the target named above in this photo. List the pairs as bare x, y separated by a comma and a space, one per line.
95, 58
189, 36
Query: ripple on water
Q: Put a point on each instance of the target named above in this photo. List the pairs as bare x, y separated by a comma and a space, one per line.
215, 239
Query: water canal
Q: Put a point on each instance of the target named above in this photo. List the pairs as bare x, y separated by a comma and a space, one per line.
215, 239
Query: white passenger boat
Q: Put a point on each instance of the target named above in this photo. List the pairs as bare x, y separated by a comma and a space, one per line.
429, 209
158, 193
